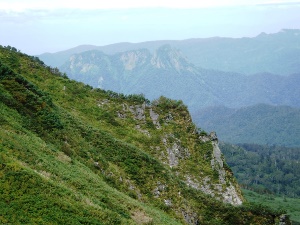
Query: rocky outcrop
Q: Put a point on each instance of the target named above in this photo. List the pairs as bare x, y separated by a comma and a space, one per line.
230, 194
217, 161
224, 190
167, 57
159, 189
154, 117
190, 217
175, 151
284, 220
138, 111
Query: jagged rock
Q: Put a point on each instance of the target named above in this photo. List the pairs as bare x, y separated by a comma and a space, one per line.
122, 153
190, 217
154, 116
160, 188
228, 194
138, 111
231, 196
217, 162
173, 160
168, 57
96, 164
121, 115
191, 183
125, 107
204, 185
168, 202
213, 136
204, 138
175, 151
284, 219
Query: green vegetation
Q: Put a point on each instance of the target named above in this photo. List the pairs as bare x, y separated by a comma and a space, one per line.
291, 205
71, 154
260, 124
265, 169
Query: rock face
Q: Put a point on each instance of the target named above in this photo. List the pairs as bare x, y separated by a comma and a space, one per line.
284, 220
230, 194
133, 59
167, 57
138, 111
176, 151
154, 116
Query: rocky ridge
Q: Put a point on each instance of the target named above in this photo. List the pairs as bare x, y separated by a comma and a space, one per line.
175, 154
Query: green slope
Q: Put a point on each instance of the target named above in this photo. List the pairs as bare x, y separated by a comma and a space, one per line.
291, 205
70, 154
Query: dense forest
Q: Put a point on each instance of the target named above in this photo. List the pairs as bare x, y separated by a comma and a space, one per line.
265, 169
261, 124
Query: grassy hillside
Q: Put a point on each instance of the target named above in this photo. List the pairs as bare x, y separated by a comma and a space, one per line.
71, 154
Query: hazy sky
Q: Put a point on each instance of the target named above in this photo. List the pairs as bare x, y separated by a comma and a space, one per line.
38, 26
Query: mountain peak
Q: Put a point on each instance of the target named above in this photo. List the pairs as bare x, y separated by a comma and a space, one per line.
167, 57
134, 58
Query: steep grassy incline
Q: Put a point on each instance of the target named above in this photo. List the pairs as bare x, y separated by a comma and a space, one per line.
71, 154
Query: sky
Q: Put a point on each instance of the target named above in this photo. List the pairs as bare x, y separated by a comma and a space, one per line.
39, 26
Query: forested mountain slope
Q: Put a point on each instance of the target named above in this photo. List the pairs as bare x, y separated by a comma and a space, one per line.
265, 169
71, 154
168, 72
260, 124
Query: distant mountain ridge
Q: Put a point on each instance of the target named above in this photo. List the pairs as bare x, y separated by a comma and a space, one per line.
277, 53
168, 72
176, 69
138, 71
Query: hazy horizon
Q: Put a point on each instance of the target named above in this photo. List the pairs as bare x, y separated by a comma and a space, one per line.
50, 26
